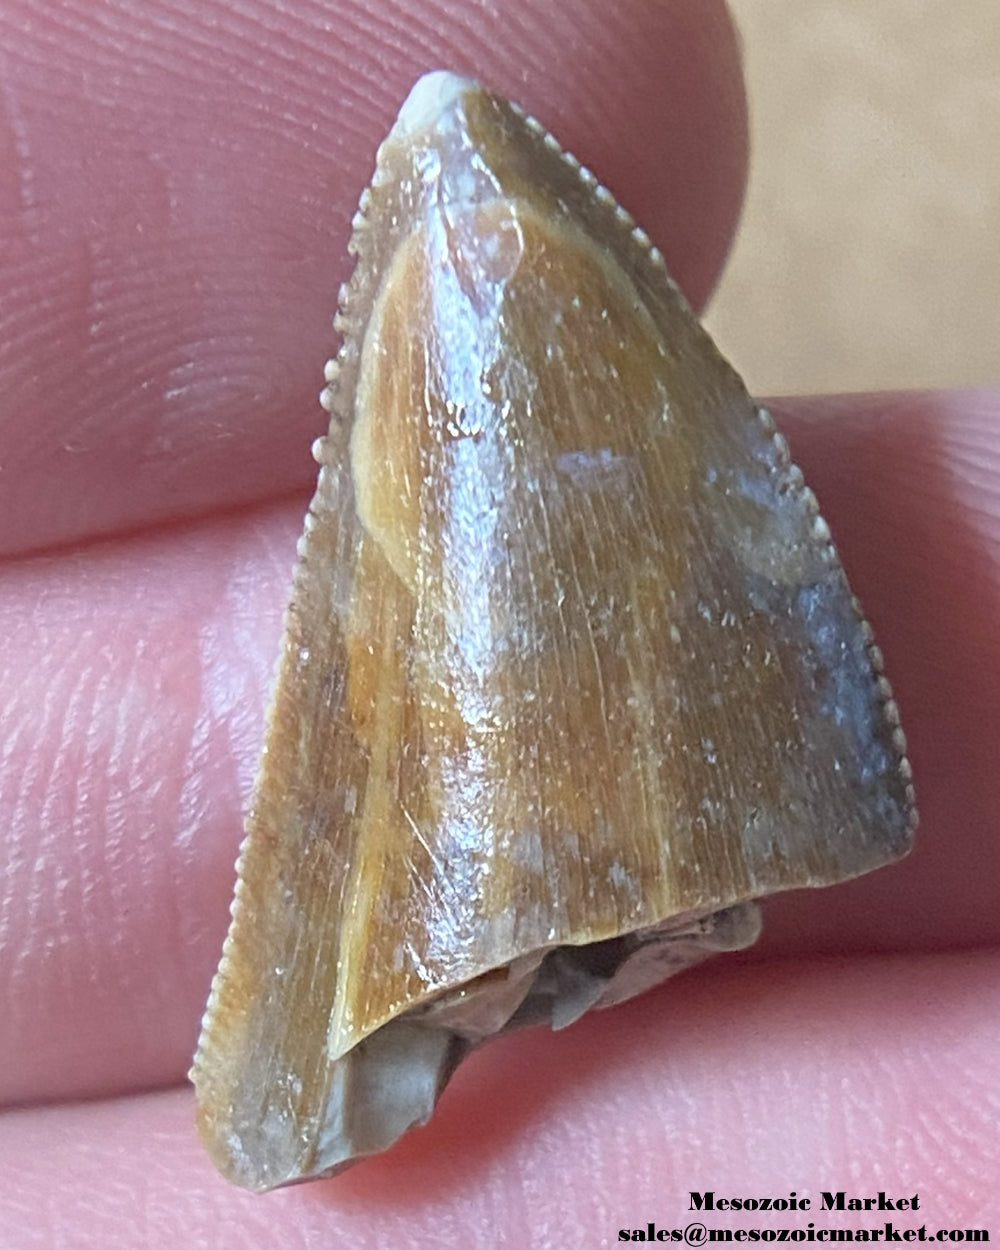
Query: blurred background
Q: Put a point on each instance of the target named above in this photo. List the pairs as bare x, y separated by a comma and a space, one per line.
869, 252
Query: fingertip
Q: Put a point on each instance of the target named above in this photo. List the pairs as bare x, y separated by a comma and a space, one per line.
177, 238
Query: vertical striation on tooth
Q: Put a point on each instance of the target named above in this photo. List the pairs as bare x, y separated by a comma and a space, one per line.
571, 672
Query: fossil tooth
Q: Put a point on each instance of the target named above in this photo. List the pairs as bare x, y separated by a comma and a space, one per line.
571, 672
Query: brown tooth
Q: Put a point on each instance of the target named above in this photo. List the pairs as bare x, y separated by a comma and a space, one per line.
571, 673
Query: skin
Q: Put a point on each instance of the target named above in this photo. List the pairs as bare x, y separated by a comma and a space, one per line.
172, 233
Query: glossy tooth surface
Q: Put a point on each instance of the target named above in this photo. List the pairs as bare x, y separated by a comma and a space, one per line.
571, 671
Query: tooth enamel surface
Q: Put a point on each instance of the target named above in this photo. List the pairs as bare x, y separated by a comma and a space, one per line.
571, 672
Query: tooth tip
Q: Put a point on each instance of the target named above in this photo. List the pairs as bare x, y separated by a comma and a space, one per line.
430, 97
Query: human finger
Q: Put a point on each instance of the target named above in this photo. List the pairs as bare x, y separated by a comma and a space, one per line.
808, 1076
134, 678
176, 186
